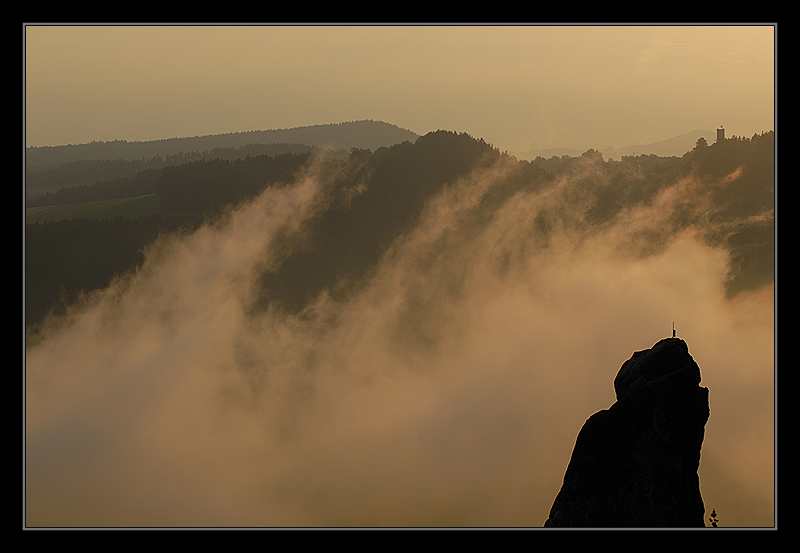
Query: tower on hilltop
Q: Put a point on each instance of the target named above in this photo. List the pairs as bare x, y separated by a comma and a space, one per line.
720, 134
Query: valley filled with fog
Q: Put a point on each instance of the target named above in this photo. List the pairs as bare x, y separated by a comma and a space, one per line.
408, 334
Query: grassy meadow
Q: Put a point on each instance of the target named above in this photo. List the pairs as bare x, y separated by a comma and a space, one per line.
140, 206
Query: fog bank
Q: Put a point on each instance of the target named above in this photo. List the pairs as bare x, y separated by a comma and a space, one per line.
448, 391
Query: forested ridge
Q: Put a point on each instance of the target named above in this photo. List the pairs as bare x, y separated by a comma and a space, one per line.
374, 196
89, 180
365, 134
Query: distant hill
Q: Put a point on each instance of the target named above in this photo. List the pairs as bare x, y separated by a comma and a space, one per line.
374, 198
365, 134
675, 146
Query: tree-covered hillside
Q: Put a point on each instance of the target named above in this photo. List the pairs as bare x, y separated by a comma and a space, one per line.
59, 185
725, 191
337, 136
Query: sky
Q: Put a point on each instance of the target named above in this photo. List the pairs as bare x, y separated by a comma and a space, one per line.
519, 87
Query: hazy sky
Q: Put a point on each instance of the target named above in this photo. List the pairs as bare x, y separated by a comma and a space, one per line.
517, 87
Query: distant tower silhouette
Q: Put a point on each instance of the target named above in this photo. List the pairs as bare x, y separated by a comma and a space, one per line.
673, 329
720, 134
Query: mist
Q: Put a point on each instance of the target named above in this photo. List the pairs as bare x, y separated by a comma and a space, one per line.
447, 390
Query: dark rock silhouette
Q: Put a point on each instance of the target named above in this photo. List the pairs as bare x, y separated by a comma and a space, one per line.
635, 464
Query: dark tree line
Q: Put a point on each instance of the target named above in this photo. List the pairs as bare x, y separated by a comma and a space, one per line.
142, 183
87, 172
373, 197
96, 179
206, 187
64, 259
339, 136
741, 216
348, 239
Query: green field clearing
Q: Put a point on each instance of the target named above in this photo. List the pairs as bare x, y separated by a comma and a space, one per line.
140, 206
